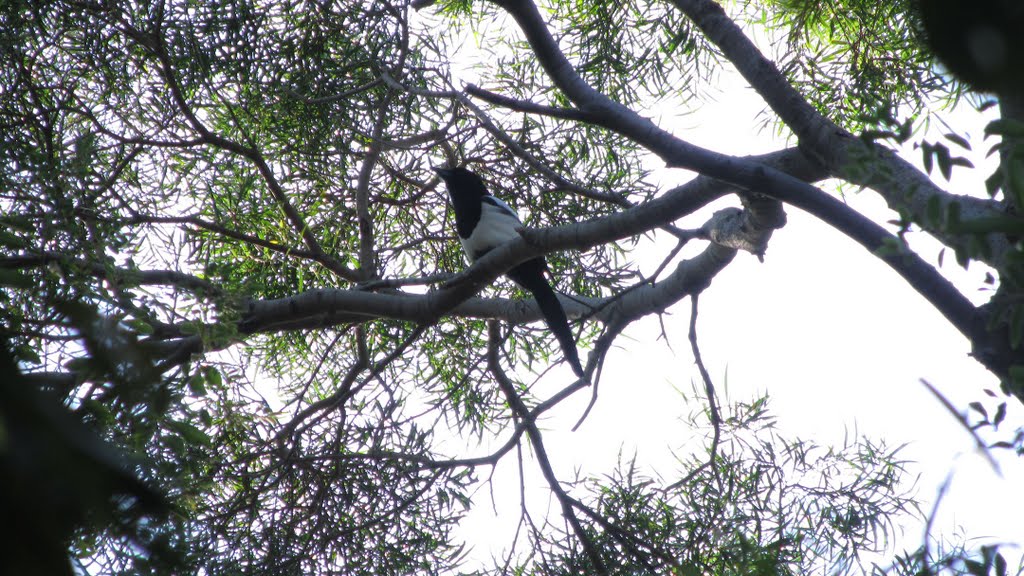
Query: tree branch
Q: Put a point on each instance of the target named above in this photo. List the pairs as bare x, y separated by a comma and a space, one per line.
537, 441
957, 309
128, 276
903, 187
367, 254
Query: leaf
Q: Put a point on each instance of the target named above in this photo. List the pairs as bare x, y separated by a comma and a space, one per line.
213, 377
11, 240
26, 354
975, 568
1000, 414
994, 182
196, 385
140, 326
905, 130
190, 433
958, 140
945, 163
176, 443
978, 407
961, 161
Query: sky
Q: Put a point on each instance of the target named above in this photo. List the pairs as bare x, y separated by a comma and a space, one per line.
838, 341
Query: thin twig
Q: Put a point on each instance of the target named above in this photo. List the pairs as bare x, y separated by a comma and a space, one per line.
982, 447
709, 389
536, 439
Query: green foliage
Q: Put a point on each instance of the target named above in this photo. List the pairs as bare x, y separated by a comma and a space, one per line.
165, 164
758, 504
853, 56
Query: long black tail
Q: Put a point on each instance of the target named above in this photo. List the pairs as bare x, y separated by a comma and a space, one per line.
530, 275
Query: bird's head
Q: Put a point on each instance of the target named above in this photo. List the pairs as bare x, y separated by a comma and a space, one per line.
462, 182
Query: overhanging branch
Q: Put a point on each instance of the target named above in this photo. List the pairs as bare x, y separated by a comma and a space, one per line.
741, 172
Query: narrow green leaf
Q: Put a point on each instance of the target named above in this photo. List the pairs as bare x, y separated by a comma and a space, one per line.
190, 433
27, 354
140, 326
196, 385
994, 182
945, 163
12, 240
1000, 414
975, 568
961, 161
958, 140
213, 377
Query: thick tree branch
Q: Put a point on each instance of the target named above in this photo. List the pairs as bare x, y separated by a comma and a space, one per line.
746, 174
326, 307
903, 187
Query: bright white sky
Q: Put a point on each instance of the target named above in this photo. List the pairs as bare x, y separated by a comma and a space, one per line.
837, 340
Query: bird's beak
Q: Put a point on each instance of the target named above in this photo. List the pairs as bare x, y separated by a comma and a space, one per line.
444, 173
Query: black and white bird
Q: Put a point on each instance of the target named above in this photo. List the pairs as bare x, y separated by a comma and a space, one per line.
484, 223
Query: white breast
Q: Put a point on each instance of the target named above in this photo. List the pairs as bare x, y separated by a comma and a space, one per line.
497, 225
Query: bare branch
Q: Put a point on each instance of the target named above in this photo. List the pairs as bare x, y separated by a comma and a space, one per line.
978, 442
709, 390
527, 106
537, 441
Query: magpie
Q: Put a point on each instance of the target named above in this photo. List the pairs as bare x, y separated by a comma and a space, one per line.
484, 223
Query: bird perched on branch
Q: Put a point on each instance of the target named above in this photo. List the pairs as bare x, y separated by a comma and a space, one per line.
484, 223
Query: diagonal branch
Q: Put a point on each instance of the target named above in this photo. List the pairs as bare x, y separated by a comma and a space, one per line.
749, 175
903, 187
